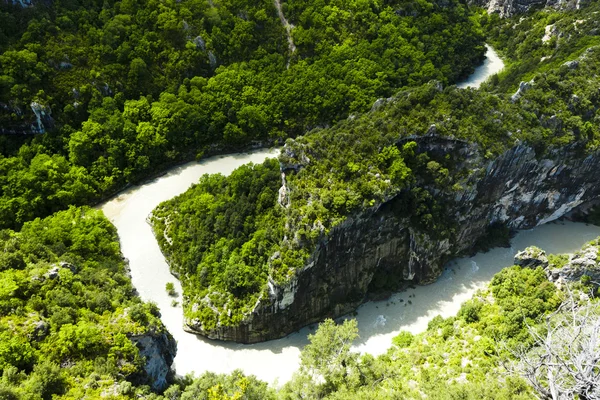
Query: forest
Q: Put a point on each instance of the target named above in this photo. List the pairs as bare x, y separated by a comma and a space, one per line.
64, 339
96, 96
69, 316
222, 233
123, 89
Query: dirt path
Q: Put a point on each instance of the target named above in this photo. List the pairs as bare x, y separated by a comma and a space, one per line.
288, 28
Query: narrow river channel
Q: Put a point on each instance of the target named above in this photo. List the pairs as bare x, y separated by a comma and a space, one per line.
275, 361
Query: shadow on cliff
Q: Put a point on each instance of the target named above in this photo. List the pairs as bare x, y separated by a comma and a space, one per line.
411, 310
297, 339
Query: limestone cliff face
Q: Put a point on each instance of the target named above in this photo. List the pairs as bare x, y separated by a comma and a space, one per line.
507, 8
39, 122
517, 190
585, 262
159, 351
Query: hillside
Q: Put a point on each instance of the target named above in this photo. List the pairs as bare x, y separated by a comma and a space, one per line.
387, 170
97, 95
384, 199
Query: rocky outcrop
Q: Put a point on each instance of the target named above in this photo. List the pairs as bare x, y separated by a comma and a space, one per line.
40, 122
531, 257
523, 87
585, 262
507, 8
519, 190
159, 351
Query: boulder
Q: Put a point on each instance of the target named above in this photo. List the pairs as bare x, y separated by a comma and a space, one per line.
531, 257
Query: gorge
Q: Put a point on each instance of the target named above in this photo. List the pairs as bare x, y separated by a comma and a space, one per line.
277, 360
380, 249
515, 190
378, 321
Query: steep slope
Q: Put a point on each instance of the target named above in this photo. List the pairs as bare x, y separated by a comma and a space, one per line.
508, 8
70, 321
380, 200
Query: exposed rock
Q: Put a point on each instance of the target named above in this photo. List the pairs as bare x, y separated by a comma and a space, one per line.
573, 64
518, 190
531, 257
159, 351
212, 59
40, 331
42, 116
378, 104
507, 8
53, 273
523, 87
65, 65
584, 262
432, 130
293, 158
200, 43
69, 266
552, 122
549, 32
22, 3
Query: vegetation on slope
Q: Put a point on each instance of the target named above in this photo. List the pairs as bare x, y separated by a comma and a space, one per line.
468, 356
355, 165
63, 338
540, 42
134, 86
68, 312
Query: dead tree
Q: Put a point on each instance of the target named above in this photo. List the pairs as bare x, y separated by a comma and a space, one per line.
564, 363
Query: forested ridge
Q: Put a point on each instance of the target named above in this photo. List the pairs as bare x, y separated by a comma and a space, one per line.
69, 316
95, 96
125, 88
227, 237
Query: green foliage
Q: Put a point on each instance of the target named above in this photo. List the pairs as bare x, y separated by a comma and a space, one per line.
455, 358
68, 310
356, 166
524, 294
220, 235
211, 386
403, 339
134, 86
170, 288
541, 42
328, 356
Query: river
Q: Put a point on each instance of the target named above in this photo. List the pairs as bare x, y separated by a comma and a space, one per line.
491, 65
275, 361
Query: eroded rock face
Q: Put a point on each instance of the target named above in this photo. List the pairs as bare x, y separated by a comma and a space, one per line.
507, 8
159, 351
517, 190
584, 262
531, 257
40, 121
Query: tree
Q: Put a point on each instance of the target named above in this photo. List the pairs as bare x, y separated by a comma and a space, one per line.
170, 288
328, 357
565, 361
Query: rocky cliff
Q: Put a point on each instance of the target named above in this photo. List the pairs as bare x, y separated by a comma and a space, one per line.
507, 8
518, 190
583, 263
159, 351
40, 122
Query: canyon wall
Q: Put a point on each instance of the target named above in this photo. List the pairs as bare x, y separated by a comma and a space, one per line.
508, 8
516, 190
